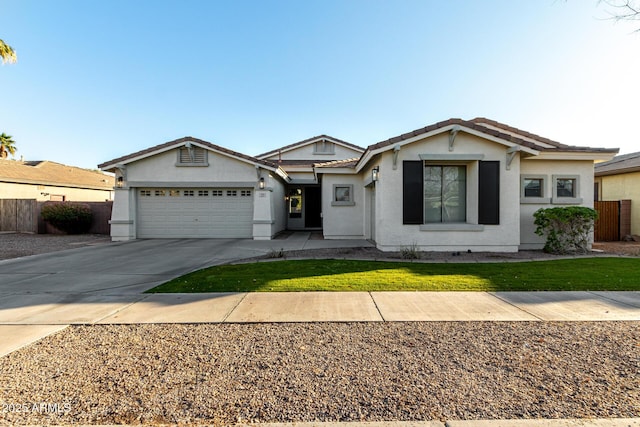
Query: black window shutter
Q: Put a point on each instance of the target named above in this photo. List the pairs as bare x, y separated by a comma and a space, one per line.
489, 193
412, 192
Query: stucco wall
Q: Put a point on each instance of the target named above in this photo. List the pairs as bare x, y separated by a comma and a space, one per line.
162, 168
306, 152
546, 169
278, 205
344, 221
29, 191
624, 186
391, 234
222, 171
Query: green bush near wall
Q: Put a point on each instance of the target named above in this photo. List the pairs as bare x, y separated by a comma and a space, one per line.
72, 218
567, 228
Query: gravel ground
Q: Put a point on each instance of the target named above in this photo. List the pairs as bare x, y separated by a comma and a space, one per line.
15, 245
225, 373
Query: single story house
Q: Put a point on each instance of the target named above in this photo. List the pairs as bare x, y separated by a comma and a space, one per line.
619, 179
44, 181
451, 186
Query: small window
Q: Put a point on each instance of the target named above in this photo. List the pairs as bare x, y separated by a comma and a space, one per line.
532, 187
324, 147
232, 193
145, 193
295, 203
245, 193
203, 193
189, 193
566, 187
174, 193
160, 193
343, 195
216, 193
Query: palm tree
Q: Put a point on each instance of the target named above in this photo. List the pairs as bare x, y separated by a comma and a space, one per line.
7, 146
7, 53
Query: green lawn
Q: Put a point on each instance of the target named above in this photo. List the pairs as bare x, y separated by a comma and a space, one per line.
603, 274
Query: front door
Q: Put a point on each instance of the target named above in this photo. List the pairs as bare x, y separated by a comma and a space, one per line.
312, 207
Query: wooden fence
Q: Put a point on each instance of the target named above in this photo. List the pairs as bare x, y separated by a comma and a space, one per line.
614, 220
23, 216
19, 215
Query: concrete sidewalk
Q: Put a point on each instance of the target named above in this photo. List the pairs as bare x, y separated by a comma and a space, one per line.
375, 307
36, 316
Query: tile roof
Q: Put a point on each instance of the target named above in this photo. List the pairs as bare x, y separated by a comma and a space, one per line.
305, 141
498, 130
346, 163
142, 153
624, 163
55, 174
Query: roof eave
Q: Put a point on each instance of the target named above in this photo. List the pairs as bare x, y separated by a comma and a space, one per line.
460, 127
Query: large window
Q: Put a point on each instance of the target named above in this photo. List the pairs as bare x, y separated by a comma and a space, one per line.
445, 194
435, 196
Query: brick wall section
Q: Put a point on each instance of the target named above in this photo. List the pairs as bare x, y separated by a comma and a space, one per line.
625, 218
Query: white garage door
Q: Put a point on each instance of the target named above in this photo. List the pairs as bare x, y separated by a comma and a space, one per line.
195, 212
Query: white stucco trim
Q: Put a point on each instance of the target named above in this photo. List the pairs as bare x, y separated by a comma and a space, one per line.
443, 226
451, 157
192, 184
572, 155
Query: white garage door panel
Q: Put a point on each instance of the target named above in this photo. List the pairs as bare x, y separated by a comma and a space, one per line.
202, 214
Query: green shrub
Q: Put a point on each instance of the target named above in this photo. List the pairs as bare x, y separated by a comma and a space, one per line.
72, 218
567, 228
411, 251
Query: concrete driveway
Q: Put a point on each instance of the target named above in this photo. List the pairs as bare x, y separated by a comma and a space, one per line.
121, 268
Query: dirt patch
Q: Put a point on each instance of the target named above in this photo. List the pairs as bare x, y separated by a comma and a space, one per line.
618, 248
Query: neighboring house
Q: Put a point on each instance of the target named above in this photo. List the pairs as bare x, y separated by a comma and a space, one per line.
619, 179
452, 186
44, 180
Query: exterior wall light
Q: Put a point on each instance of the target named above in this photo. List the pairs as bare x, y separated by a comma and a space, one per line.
120, 182
374, 173
261, 183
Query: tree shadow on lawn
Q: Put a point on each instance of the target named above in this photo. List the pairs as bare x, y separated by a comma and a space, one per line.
605, 274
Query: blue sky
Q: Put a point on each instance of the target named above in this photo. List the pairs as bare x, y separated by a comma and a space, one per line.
98, 80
